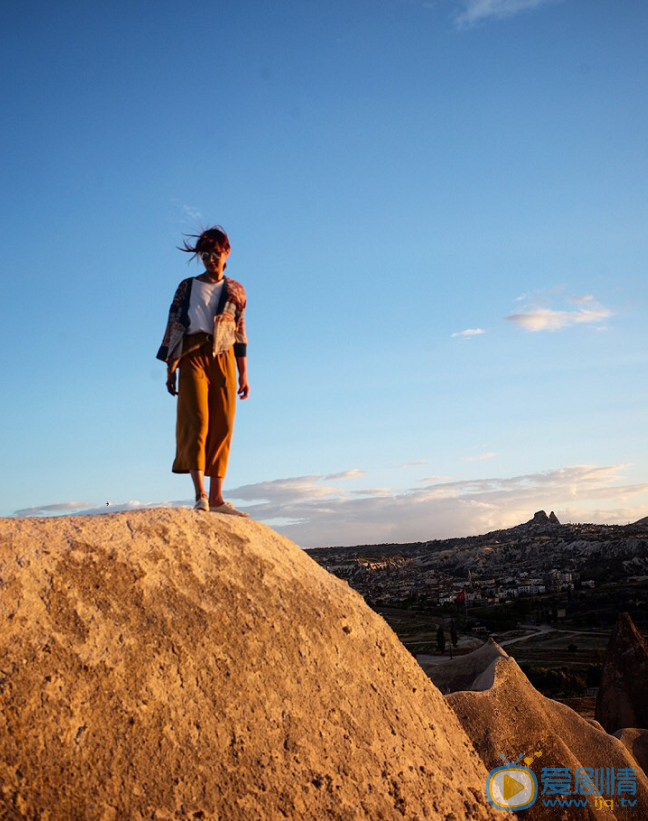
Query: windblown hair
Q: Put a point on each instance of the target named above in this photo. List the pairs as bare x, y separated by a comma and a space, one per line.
209, 240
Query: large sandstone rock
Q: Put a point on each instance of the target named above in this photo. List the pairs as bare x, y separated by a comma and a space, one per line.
622, 699
165, 664
504, 714
472, 671
636, 741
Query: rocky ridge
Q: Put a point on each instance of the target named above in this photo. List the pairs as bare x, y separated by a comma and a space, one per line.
541, 543
505, 716
164, 665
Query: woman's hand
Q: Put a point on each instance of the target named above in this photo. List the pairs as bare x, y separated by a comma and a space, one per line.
244, 388
171, 383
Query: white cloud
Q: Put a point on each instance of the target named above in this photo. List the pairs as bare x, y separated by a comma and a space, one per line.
580, 300
480, 457
546, 319
346, 474
46, 510
90, 508
373, 491
611, 516
440, 510
474, 11
276, 491
541, 293
412, 464
191, 213
469, 332
435, 478
314, 514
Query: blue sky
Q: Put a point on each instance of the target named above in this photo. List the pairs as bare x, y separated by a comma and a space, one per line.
438, 211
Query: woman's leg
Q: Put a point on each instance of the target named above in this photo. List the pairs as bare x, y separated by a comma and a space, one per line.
193, 418
216, 491
222, 409
198, 478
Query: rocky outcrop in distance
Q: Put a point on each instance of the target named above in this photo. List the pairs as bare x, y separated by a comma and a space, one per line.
541, 518
504, 714
167, 664
622, 700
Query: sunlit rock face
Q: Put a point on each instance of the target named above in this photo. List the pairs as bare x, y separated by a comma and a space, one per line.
170, 664
504, 715
622, 699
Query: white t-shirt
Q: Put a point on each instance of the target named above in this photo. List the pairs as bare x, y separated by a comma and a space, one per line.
205, 297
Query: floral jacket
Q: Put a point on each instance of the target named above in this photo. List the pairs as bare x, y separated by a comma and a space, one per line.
229, 322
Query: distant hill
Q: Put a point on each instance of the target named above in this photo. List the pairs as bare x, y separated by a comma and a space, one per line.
540, 524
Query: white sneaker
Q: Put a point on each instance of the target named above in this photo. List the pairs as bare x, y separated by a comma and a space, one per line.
226, 507
202, 503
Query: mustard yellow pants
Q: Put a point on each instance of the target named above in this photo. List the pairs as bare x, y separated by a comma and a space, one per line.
207, 388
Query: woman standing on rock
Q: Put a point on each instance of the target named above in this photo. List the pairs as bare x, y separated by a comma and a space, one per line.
205, 337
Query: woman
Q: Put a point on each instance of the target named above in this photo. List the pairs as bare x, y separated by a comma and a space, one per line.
205, 337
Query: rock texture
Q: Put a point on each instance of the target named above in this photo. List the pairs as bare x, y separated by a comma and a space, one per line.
622, 699
504, 714
473, 671
636, 741
165, 664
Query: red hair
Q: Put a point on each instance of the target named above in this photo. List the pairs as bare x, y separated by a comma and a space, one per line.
210, 240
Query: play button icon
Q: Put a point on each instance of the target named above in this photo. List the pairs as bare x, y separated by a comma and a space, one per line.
511, 787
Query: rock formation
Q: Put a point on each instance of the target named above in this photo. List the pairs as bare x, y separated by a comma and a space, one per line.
164, 664
541, 518
472, 671
622, 699
504, 714
636, 742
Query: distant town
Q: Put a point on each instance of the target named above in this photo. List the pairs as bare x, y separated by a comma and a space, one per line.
549, 593
536, 560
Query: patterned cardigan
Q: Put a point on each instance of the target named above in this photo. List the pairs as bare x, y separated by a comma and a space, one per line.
229, 322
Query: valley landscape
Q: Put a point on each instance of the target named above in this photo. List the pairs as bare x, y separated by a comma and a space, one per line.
548, 593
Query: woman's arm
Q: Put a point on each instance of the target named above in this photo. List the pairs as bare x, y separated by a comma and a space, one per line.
243, 388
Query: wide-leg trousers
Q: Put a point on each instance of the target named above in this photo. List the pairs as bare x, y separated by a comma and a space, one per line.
207, 392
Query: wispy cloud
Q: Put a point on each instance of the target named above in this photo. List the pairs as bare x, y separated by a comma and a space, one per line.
91, 508
575, 299
458, 508
191, 213
408, 465
45, 510
479, 458
541, 293
435, 478
475, 11
278, 491
346, 474
373, 491
547, 319
469, 332
313, 513
541, 313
